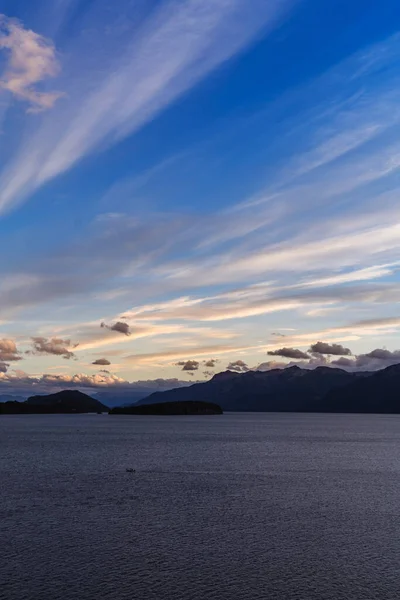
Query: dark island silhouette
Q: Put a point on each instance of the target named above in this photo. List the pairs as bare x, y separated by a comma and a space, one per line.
65, 402
170, 408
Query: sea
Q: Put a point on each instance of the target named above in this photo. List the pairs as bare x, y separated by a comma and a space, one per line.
232, 507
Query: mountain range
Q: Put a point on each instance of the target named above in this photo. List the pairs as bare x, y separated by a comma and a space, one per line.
293, 389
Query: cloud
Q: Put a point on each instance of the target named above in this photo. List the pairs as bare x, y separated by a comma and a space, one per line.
289, 353
8, 351
101, 361
239, 366
365, 274
270, 366
178, 45
189, 365
330, 349
119, 326
3, 367
54, 346
31, 60
208, 374
343, 362
210, 363
382, 354
22, 383
377, 359
156, 358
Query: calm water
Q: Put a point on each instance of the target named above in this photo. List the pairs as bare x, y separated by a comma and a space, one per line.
226, 508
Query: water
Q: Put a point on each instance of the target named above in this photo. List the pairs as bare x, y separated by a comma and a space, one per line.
226, 508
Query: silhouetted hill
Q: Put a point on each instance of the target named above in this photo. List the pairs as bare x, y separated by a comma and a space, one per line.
11, 398
279, 390
378, 393
170, 408
68, 401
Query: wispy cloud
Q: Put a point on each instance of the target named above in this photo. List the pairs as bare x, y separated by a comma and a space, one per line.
156, 358
179, 45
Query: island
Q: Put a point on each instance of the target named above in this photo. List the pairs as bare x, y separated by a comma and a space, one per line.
169, 409
65, 402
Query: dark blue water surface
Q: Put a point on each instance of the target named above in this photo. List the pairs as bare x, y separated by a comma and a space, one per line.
240, 506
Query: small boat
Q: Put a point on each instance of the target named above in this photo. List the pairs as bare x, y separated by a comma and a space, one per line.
130, 470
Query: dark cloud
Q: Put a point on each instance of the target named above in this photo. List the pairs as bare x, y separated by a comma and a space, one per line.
104, 371
330, 349
101, 361
270, 365
290, 353
318, 360
382, 354
210, 363
3, 367
239, 366
377, 359
8, 351
344, 363
119, 326
54, 346
188, 365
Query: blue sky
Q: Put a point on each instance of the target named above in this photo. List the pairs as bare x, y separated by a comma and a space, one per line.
211, 180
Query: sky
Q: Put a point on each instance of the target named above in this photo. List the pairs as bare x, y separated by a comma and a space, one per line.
191, 185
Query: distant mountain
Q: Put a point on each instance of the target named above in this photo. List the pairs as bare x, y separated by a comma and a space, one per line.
68, 401
378, 393
137, 391
113, 399
170, 408
10, 398
279, 390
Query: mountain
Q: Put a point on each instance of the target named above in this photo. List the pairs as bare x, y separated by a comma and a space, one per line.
279, 390
170, 408
378, 393
10, 398
68, 401
114, 399
137, 391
